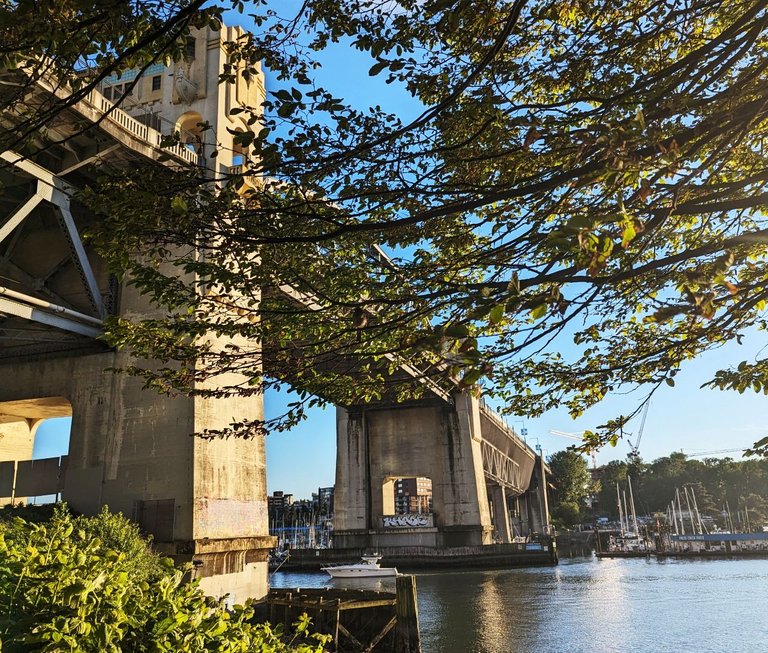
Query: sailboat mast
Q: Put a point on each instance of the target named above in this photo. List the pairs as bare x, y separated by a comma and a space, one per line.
690, 511
621, 515
696, 508
626, 512
680, 511
632, 502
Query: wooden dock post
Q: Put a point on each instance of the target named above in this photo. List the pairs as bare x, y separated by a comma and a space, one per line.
407, 639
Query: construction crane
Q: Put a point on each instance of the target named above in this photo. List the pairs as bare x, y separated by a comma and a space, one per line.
579, 438
712, 453
634, 449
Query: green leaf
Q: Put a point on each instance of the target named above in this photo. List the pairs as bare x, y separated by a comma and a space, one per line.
179, 205
457, 331
377, 68
496, 315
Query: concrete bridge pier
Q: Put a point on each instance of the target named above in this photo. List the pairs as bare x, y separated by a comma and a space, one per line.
501, 521
478, 467
131, 449
377, 444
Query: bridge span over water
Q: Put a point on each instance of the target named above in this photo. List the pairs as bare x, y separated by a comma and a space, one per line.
130, 448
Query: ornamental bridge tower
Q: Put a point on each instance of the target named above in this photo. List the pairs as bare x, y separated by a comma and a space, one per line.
129, 448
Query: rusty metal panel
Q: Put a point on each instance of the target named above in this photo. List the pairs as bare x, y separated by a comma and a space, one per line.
36, 478
156, 517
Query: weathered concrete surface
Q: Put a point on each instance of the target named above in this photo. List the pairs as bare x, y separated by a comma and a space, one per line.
502, 532
468, 454
376, 445
130, 447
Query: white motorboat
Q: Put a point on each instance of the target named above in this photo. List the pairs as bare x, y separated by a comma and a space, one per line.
367, 567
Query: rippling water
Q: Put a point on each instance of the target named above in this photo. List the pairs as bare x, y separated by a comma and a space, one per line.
591, 606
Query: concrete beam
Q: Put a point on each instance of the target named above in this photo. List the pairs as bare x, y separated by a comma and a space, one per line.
501, 514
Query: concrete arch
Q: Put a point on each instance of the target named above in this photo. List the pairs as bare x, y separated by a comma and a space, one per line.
190, 132
20, 419
20, 475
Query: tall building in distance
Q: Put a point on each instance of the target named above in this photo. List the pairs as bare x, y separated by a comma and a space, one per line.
413, 495
278, 504
323, 500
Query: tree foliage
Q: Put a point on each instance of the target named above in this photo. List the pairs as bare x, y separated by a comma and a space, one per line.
578, 206
719, 483
572, 484
64, 587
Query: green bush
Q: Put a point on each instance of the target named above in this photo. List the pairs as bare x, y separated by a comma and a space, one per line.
566, 514
66, 585
119, 534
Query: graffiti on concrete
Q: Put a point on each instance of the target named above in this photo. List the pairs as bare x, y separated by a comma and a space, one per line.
408, 521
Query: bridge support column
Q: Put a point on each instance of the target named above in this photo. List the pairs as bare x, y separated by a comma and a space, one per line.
376, 444
131, 449
352, 492
536, 500
501, 514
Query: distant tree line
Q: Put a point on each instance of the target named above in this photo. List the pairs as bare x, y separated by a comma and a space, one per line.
720, 484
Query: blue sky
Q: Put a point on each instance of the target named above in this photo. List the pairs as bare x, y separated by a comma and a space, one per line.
683, 417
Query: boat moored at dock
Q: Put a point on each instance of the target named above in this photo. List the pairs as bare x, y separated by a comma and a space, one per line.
367, 567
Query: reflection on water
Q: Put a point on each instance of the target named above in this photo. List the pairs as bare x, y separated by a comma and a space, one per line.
589, 606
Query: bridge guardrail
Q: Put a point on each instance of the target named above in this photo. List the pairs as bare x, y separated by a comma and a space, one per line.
148, 134
496, 418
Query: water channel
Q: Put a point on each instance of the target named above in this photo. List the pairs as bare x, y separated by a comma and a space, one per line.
585, 605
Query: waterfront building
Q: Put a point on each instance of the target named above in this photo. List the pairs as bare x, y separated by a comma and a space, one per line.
413, 495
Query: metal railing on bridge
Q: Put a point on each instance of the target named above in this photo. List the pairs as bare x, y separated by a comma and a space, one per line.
32, 478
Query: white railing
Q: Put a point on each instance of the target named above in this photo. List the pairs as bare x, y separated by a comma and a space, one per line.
145, 133
491, 414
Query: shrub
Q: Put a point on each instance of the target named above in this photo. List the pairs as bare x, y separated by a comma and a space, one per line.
63, 587
566, 514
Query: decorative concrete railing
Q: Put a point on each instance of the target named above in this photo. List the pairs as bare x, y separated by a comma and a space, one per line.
147, 134
410, 520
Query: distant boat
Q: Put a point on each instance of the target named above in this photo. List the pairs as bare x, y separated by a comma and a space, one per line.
629, 544
367, 567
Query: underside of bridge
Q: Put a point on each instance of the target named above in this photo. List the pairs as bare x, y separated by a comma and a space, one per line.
131, 448
488, 486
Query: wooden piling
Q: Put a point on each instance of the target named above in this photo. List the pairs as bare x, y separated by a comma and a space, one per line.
358, 621
407, 639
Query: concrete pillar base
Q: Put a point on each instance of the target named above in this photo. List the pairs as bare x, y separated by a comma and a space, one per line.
233, 566
466, 536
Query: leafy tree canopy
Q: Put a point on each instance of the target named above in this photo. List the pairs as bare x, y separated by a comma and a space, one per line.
720, 484
579, 206
570, 476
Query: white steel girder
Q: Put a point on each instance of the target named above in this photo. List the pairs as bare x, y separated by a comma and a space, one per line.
50, 315
52, 189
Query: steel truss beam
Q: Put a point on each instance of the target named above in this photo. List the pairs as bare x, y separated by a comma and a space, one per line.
54, 190
499, 467
35, 310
